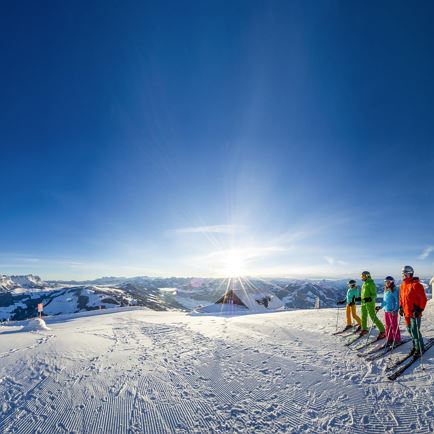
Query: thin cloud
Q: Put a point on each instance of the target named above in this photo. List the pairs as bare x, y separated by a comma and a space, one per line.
332, 261
329, 259
426, 252
246, 253
243, 260
211, 229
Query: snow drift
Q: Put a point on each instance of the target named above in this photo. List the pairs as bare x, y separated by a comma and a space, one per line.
36, 324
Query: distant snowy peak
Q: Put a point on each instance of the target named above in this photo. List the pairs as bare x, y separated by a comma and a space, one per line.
303, 294
8, 283
28, 281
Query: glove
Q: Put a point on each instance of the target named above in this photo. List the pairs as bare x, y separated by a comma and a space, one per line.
395, 312
377, 308
417, 311
367, 299
341, 302
352, 303
401, 311
358, 299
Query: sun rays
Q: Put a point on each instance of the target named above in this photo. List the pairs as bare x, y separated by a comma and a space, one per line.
241, 283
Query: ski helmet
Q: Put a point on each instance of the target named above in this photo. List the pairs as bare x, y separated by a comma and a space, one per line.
407, 270
366, 275
389, 279
352, 282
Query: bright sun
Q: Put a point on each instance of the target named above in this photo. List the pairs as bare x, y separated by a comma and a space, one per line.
234, 265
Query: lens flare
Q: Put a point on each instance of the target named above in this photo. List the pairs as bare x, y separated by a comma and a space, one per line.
234, 265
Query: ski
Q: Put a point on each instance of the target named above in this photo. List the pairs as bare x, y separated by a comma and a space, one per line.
367, 344
373, 351
404, 366
398, 362
346, 332
340, 332
352, 341
387, 349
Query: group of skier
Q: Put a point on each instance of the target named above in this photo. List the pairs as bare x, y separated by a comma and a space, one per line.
408, 301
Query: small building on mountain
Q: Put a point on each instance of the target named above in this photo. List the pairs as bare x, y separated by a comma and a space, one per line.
244, 300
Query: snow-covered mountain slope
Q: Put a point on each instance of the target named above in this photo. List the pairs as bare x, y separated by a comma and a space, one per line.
295, 293
15, 283
302, 294
169, 372
81, 298
19, 295
191, 292
65, 300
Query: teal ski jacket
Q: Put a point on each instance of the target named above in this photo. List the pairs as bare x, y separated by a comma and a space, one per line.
352, 294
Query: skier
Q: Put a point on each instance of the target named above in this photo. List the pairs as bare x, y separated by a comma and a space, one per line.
350, 301
412, 302
390, 304
368, 297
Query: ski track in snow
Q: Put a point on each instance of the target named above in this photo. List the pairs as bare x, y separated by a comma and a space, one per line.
141, 371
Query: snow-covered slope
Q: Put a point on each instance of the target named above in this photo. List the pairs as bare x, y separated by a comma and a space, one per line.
80, 298
302, 294
20, 294
169, 372
191, 292
17, 283
65, 300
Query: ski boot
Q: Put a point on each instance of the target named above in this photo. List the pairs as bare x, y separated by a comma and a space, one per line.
363, 332
393, 343
381, 335
413, 351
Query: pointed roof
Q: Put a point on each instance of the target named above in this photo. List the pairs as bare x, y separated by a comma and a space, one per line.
247, 299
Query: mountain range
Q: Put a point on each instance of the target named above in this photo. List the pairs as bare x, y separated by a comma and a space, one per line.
20, 295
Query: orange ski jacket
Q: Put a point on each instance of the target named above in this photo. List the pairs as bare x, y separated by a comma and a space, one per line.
411, 293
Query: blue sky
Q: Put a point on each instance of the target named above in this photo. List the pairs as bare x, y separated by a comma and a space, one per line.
290, 138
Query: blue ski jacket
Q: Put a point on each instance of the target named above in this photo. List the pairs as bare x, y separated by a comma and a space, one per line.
390, 301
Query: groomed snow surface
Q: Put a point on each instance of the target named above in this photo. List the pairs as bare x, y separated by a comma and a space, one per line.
156, 372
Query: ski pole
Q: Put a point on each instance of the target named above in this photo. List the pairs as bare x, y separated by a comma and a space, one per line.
389, 360
388, 331
420, 342
370, 330
337, 318
396, 332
